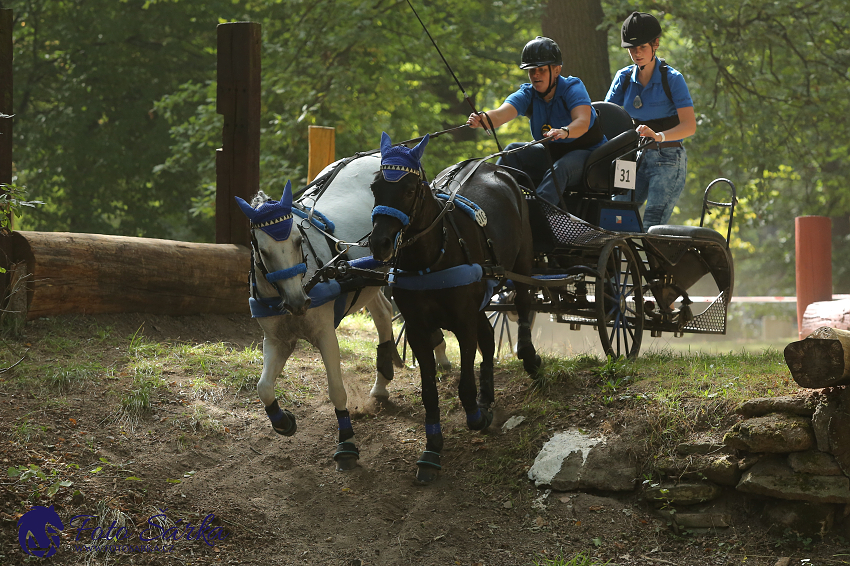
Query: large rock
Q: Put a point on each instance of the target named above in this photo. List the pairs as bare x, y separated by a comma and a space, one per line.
573, 460
701, 447
799, 405
773, 477
682, 493
814, 462
775, 433
839, 439
820, 422
720, 469
800, 517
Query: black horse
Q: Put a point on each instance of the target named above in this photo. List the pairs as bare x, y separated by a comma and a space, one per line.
439, 252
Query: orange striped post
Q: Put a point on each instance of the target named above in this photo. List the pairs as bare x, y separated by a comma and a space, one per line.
813, 236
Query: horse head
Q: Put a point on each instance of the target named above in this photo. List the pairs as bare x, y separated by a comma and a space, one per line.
398, 195
277, 250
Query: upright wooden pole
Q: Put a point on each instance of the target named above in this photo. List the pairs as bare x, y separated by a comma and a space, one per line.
814, 263
238, 100
6, 107
322, 147
6, 99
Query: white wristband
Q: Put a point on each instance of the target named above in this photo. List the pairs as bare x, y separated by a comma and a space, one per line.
662, 136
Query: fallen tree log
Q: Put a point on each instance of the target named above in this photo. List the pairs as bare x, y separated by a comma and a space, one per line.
68, 273
834, 314
820, 360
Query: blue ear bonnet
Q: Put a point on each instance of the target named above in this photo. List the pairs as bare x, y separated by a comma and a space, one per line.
398, 161
272, 217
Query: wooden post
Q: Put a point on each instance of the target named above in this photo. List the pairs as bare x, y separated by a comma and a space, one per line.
6, 107
6, 96
321, 144
238, 100
814, 263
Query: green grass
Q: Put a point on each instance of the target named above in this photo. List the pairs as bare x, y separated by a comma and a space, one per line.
576, 560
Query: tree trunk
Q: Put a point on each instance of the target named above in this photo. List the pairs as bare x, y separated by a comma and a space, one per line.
821, 360
573, 25
96, 274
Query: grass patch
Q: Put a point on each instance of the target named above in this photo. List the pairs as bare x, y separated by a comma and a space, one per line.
576, 560
66, 378
137, 401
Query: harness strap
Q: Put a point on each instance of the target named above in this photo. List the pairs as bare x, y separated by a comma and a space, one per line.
288, 273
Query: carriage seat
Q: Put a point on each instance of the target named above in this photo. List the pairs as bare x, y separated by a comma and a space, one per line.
695, 232
598, 175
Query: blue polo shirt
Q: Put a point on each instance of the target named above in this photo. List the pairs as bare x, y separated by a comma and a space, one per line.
569, 93
625, 87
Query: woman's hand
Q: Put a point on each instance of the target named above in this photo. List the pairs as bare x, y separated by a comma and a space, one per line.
647, 132
558, 133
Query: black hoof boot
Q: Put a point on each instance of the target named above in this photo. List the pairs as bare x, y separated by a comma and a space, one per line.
346, 456
483, 422
283, 422
428, 468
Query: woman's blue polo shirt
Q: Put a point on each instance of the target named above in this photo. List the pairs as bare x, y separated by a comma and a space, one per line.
655, 104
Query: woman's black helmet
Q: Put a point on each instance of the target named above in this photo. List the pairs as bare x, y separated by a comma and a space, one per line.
539, 52
639, 28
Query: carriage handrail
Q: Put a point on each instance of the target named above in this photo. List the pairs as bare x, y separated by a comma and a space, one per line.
730, 205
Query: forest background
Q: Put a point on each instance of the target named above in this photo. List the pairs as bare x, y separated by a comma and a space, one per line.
116, 130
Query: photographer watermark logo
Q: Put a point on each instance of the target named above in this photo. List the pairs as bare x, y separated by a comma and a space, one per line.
38, 531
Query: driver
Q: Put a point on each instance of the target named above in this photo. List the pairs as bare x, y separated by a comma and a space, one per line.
559, 110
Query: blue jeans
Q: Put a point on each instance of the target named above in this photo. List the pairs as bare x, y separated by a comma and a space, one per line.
659, 182
534, 160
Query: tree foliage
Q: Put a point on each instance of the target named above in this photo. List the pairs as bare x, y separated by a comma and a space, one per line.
115, 100
116, 128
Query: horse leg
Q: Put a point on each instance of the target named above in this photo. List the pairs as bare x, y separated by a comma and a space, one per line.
276, 351
487, 347
428, 466
467, 337
525, 350
382, 313
346, 454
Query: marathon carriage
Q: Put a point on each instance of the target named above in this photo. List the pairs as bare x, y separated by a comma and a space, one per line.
596, 266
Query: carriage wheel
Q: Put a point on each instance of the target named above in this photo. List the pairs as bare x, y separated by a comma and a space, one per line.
619, 301
502, 333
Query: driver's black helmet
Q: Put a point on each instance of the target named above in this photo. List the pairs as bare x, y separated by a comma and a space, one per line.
639, 28
539, 52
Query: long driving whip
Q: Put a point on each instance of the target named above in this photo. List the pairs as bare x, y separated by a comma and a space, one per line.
460, 86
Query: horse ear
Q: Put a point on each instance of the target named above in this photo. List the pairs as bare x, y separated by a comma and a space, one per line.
420, 147
249, 211
386, 143
286, 199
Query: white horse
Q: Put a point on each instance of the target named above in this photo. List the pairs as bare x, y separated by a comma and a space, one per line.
289, 244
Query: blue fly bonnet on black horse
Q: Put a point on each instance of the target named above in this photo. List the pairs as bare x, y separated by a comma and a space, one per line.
396, 162
399, 160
